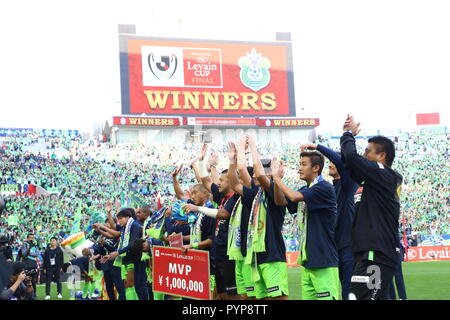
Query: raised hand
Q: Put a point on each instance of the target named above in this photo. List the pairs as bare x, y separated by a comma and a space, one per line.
109, 206
243, 141
202, 154
232, 152
276, 168
117, 203
308, 146
251, 140
213, 160
282, 167
177, 170
350, 124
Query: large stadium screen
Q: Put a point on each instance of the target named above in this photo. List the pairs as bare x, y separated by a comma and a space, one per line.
208, 78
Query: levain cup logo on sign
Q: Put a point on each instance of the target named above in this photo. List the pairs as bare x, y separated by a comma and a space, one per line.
202, 67
162, 66
254, 70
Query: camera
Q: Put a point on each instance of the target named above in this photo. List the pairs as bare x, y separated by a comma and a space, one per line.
31, 273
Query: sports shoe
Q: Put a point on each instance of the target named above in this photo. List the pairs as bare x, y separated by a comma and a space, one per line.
47, 297
59, 296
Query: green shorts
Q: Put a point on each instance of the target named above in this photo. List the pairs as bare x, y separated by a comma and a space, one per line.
212, 282
320, 284
240, 283
274, 276
125, 268
253, 289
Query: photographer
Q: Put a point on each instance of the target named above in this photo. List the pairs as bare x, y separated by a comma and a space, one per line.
20, 286
28, 253
5, 249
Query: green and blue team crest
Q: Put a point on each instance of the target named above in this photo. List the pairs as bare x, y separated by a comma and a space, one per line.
254, 70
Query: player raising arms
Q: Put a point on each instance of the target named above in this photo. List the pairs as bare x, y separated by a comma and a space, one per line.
316, 207
375, 226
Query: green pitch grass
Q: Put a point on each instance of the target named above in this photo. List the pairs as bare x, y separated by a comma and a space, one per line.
423, 281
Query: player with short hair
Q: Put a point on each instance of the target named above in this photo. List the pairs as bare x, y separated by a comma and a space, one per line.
315, 204
345, 189
375, 226
130, 230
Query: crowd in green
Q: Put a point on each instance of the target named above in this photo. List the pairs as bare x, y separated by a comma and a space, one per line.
89, 174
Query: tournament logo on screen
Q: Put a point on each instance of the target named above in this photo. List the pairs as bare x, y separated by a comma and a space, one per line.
202, 68
160, 66
163, 67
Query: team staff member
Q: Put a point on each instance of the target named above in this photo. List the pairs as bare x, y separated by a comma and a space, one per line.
345, 189
53, 261
375, 226
316, 207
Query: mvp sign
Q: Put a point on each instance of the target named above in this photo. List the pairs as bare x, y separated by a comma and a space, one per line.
178, 274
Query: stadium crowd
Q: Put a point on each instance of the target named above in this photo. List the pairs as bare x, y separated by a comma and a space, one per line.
95, 173
75, 186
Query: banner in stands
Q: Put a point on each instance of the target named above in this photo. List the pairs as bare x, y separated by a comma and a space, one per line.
41, 132
208, 78
9, 189
185, 275
428, 253
17, 189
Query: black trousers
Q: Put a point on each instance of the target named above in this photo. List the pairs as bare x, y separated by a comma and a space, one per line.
399, 282
370, 280
52, 274
345, 269
113, 279
225, 277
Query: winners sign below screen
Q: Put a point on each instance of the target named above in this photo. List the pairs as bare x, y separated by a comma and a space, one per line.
185, 275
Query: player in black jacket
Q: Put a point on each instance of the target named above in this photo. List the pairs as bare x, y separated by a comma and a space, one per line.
375, 224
